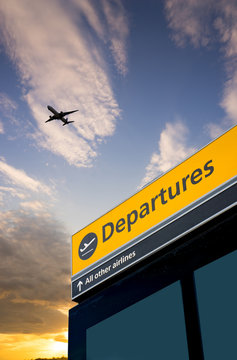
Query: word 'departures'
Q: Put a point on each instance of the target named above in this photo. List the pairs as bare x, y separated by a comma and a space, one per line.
160, 199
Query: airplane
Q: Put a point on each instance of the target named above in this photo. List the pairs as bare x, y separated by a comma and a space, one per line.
59, 115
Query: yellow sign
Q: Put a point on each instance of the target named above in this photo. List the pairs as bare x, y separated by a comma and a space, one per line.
195, 177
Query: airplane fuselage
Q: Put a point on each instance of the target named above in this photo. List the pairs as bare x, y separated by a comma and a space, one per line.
56, 115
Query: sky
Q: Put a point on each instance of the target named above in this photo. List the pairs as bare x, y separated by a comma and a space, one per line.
154, 81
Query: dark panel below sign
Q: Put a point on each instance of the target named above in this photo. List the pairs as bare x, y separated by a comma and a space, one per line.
156, 241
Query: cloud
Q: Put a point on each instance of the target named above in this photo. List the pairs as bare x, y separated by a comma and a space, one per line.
229, 99
190, 21
61, 62
1, 128
35, 318
34, 274
110, 23
12, 191
36, 206
6, 103
19, 178
22, 191
203, 23
172, 149
118, 29
60, 338
7, 108
215, 130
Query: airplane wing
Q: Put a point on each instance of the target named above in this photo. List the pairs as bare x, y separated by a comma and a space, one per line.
68, 122
49, 120
68, 112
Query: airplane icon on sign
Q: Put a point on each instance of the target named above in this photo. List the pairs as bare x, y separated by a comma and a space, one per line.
86, 246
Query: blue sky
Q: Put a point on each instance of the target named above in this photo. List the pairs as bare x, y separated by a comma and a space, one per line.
154, 81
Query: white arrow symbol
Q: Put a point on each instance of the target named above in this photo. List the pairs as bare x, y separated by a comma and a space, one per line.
80, 283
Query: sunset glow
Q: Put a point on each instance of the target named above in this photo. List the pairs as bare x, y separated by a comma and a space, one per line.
27, 347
